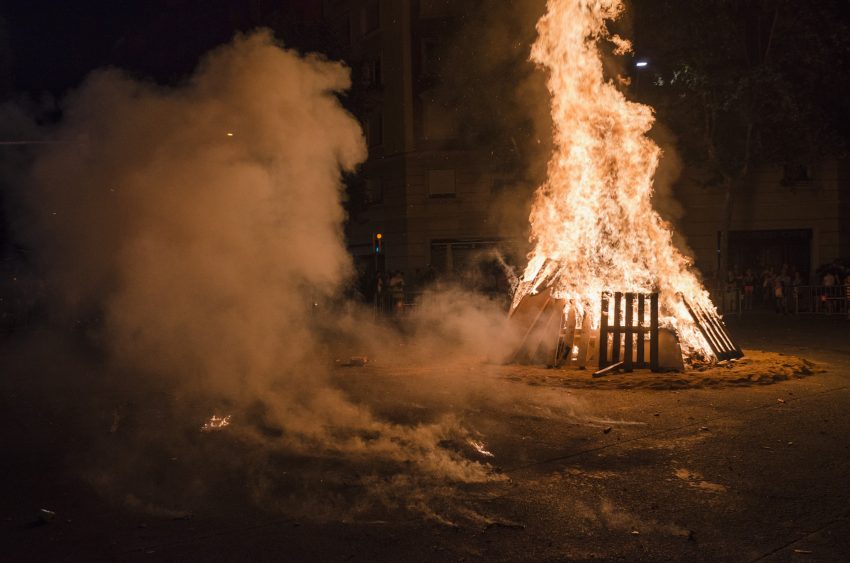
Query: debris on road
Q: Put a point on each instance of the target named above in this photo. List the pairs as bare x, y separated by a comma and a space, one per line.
45, 516
216, 423
607, 429
480, 447
354, 361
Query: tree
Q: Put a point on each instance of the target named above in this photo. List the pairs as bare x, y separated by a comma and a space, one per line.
746, 83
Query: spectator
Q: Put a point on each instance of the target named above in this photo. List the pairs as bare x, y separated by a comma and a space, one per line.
784, 282
396, 286
768, 287
749, 289
829, 279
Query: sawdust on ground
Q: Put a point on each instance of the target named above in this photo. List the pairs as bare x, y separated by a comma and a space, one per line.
755, 368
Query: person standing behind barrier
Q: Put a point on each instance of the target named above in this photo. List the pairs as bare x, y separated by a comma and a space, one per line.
779, 295
796, 283
829, 281
397, 290
768, 291
749, 289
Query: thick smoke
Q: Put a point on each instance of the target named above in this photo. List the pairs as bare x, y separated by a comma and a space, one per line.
197, 230
203, 219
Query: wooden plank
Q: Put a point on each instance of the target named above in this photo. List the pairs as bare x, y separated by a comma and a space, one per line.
629, 333
547, 347
570, 333
640, 339
603, 331
728, 345
610, 369
704, 330
615, 346
539, 317
584, 344
714, 331
705, 318
653, 332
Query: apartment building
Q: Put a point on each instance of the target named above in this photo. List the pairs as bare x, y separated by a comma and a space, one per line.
421, 189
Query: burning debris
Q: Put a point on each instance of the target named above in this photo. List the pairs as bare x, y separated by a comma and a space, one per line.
480, 447
216, 423
593, 223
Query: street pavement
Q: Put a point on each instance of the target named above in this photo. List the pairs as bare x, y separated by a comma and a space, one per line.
755, 472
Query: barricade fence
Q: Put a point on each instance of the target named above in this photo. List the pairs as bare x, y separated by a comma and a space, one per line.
822, 299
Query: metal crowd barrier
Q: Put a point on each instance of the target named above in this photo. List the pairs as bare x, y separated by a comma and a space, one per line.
821, 299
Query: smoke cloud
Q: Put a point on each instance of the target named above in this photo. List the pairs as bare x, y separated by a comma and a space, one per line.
197, 232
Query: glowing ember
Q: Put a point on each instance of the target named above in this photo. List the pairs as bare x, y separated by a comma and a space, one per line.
216, 423
592, 221
480, 447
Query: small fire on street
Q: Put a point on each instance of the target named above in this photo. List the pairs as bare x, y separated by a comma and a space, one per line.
216, 423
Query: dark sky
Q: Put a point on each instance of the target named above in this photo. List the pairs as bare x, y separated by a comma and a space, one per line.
53, 44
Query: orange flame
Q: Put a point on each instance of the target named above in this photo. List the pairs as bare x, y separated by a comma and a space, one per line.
592, 221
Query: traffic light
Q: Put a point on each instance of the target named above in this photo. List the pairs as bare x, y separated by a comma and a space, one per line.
380, 257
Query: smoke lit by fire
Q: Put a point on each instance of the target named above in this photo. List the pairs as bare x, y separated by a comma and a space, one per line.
593, 223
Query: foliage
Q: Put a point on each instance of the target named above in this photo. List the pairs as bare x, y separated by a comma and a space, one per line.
747, 81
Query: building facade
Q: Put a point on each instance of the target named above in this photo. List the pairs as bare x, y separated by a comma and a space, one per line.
798, 215
434, 200
426, 194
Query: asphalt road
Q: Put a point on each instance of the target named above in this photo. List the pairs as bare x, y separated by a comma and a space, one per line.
726, 473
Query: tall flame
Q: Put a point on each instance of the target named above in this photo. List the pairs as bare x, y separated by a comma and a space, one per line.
592, 221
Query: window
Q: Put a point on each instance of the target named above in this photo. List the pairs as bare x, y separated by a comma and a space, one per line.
438, 121
370, 17
796, 173
374, 192
441, 183
371, 73
430, 57
375, 130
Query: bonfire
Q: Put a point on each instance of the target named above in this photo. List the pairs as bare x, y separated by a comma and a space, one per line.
593, 226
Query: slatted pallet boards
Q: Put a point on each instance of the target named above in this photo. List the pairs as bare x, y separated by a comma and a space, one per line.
626, 331
576, 344
714, 331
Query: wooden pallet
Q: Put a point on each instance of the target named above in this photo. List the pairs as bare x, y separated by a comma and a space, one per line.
540, 317
627, 330
714, 331
576, 344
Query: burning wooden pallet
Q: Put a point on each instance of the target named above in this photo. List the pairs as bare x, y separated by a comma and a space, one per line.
576, 344
627, 338
628, 331
714, 331
542, 316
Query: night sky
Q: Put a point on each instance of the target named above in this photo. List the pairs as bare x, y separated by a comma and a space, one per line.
53, 44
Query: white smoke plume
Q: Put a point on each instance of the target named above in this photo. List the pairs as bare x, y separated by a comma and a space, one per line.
201, 223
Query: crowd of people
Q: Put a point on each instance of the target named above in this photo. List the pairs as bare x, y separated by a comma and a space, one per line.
785, 288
